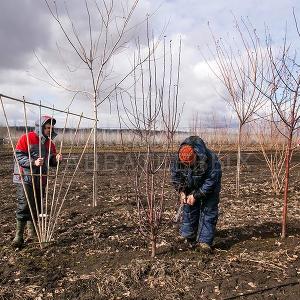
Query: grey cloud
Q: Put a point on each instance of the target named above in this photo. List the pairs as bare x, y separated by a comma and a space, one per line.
23, 28
26, 26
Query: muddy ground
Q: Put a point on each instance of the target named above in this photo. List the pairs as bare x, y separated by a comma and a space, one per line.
98, 253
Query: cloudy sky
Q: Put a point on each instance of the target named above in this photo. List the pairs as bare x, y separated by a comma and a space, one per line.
28, 31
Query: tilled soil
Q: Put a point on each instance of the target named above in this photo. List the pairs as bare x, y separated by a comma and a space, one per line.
98, 253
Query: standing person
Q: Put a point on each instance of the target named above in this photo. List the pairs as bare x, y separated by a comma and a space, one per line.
36, 160
196, 175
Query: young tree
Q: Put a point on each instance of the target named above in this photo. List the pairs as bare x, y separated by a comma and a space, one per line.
153, 115
108, 33
283, 82
237, 66
273, 149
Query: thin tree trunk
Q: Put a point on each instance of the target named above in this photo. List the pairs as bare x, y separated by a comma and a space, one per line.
153, 245
286, 184
95, 171
238, 163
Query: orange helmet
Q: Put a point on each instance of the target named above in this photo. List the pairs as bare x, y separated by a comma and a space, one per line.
187, 154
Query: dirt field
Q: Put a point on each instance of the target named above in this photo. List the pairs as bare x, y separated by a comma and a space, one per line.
99, 254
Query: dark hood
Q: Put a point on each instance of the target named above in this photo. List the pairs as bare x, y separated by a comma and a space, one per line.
193, 175
42, 122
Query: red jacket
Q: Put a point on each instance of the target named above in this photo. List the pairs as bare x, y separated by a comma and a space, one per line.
24, 161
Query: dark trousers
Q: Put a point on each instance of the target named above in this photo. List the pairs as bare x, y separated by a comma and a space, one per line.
23, 211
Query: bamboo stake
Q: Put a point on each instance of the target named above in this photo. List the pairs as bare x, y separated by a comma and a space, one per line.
48, 166
44, 106
68, 158
41, 170
31, 174
64, 173
52, 210
69, 185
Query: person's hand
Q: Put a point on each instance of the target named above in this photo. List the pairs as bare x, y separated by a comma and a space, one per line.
39, 162
59, 157
182, 197
191, 199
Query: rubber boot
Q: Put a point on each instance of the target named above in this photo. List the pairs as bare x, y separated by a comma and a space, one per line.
19, 240
190, 242
31, 233
204, 248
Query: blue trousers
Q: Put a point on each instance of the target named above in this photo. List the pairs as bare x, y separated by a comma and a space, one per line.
199, 220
